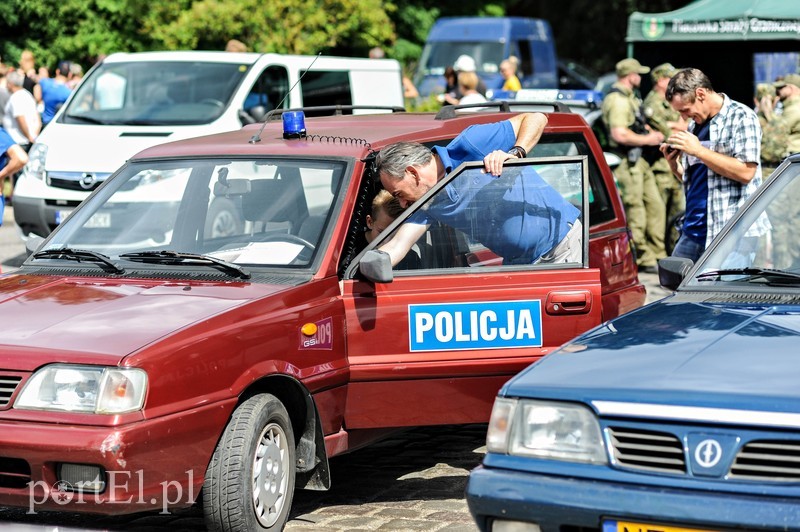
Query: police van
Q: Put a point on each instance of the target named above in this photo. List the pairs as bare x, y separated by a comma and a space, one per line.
131, 101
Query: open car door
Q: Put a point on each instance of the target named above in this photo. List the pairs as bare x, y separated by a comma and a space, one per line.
433, 344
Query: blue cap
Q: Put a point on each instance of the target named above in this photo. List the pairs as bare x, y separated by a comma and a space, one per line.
294, 124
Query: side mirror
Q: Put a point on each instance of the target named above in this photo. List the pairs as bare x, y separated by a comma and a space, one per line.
672, 271
33, 243
245, 118
376, 266
257, 113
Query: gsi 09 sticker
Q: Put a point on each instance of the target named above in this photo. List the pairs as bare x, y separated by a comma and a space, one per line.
484, 325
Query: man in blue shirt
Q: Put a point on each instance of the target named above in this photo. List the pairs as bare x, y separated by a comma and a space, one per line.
521, 219
12, 159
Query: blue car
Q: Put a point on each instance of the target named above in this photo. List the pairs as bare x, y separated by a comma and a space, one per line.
683, 415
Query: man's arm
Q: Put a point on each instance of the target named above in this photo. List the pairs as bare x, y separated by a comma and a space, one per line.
23, 126
405, 237
528, 129
17, 158
724, 165
626, 137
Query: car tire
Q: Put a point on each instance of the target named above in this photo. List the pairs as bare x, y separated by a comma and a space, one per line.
250, 481
224, 219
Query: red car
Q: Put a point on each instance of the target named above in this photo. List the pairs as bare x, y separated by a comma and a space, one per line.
203, 319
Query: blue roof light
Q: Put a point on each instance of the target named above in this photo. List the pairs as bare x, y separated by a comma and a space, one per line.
294, 125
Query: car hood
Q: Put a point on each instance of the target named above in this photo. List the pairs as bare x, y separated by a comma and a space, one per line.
109, 146
100, 321
679, 352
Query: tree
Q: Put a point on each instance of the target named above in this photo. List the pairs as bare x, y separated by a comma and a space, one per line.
281, 26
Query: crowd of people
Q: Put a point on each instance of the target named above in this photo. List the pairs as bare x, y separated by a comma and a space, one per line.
688, 148
29, 99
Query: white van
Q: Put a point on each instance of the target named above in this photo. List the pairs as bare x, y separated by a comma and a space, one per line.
132, 101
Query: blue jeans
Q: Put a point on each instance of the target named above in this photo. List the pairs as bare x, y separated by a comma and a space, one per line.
688, 248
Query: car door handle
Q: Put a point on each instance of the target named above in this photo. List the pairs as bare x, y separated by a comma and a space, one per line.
572, 302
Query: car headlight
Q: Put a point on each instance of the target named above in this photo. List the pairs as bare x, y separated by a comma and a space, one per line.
545, 429
37, 157
84, 389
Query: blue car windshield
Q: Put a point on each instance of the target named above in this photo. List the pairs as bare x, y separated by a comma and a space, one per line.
763, 246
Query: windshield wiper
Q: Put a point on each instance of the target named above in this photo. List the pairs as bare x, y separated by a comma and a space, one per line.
752, 273
80, 255
174, 257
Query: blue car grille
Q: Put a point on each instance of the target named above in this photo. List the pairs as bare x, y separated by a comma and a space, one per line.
773, 460
647, 450
8, 384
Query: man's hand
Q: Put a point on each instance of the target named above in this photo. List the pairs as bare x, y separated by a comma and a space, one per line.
493, 163
686, 142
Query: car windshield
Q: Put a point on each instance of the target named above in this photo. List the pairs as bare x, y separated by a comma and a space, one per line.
155, 93
244, 212
439, 55
763, 246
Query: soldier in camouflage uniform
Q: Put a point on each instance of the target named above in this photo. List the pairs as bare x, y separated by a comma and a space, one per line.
662, 117
781, 138
628, 135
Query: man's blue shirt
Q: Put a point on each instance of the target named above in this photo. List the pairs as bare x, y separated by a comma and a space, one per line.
517, 215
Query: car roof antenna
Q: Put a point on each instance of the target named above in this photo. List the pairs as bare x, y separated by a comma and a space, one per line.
257, 137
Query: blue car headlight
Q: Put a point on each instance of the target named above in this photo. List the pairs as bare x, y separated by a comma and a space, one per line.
545, 429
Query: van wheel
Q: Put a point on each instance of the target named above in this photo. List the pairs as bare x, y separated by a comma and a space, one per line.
223, 219
249, 483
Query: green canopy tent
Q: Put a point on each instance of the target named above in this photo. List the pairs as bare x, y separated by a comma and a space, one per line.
727, 39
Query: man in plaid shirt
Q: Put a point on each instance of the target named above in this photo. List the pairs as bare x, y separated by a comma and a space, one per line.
718, 158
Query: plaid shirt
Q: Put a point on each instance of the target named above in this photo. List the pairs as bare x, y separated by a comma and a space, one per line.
735, 132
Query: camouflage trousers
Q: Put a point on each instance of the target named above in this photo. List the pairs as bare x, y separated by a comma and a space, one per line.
644, 209
671, 190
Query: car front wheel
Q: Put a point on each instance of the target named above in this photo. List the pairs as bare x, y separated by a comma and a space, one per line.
250, 482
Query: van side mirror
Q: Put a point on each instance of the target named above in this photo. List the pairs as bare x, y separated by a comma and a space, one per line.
245, 118
672, 271
257, 113
376, 266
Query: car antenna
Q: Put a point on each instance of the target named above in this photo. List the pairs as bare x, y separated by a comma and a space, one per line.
257, 137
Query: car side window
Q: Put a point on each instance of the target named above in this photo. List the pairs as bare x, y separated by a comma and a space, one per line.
524, 217
565, 145
269, 90
559, 145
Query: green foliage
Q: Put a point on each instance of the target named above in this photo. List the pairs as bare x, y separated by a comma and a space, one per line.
281, 26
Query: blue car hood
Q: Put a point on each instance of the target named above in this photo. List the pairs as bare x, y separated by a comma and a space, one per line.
678, 352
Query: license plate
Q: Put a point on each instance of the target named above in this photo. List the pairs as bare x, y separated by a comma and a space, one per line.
99, 220
627, 526
62, 215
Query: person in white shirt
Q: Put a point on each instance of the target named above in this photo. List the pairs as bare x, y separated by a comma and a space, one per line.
21, 120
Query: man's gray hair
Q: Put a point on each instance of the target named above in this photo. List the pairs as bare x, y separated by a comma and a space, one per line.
15, 78
685, 82
395, 158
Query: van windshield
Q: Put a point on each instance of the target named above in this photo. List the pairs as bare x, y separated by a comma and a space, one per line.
155, 93
439, 55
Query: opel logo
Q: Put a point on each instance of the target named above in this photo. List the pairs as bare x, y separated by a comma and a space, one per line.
88, 181
708, 453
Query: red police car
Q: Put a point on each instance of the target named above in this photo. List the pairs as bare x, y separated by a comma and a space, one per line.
202, 320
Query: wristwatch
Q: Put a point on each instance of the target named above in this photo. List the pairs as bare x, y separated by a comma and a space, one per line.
518, 151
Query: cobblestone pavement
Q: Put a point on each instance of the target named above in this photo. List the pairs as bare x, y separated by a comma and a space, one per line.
412, 481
